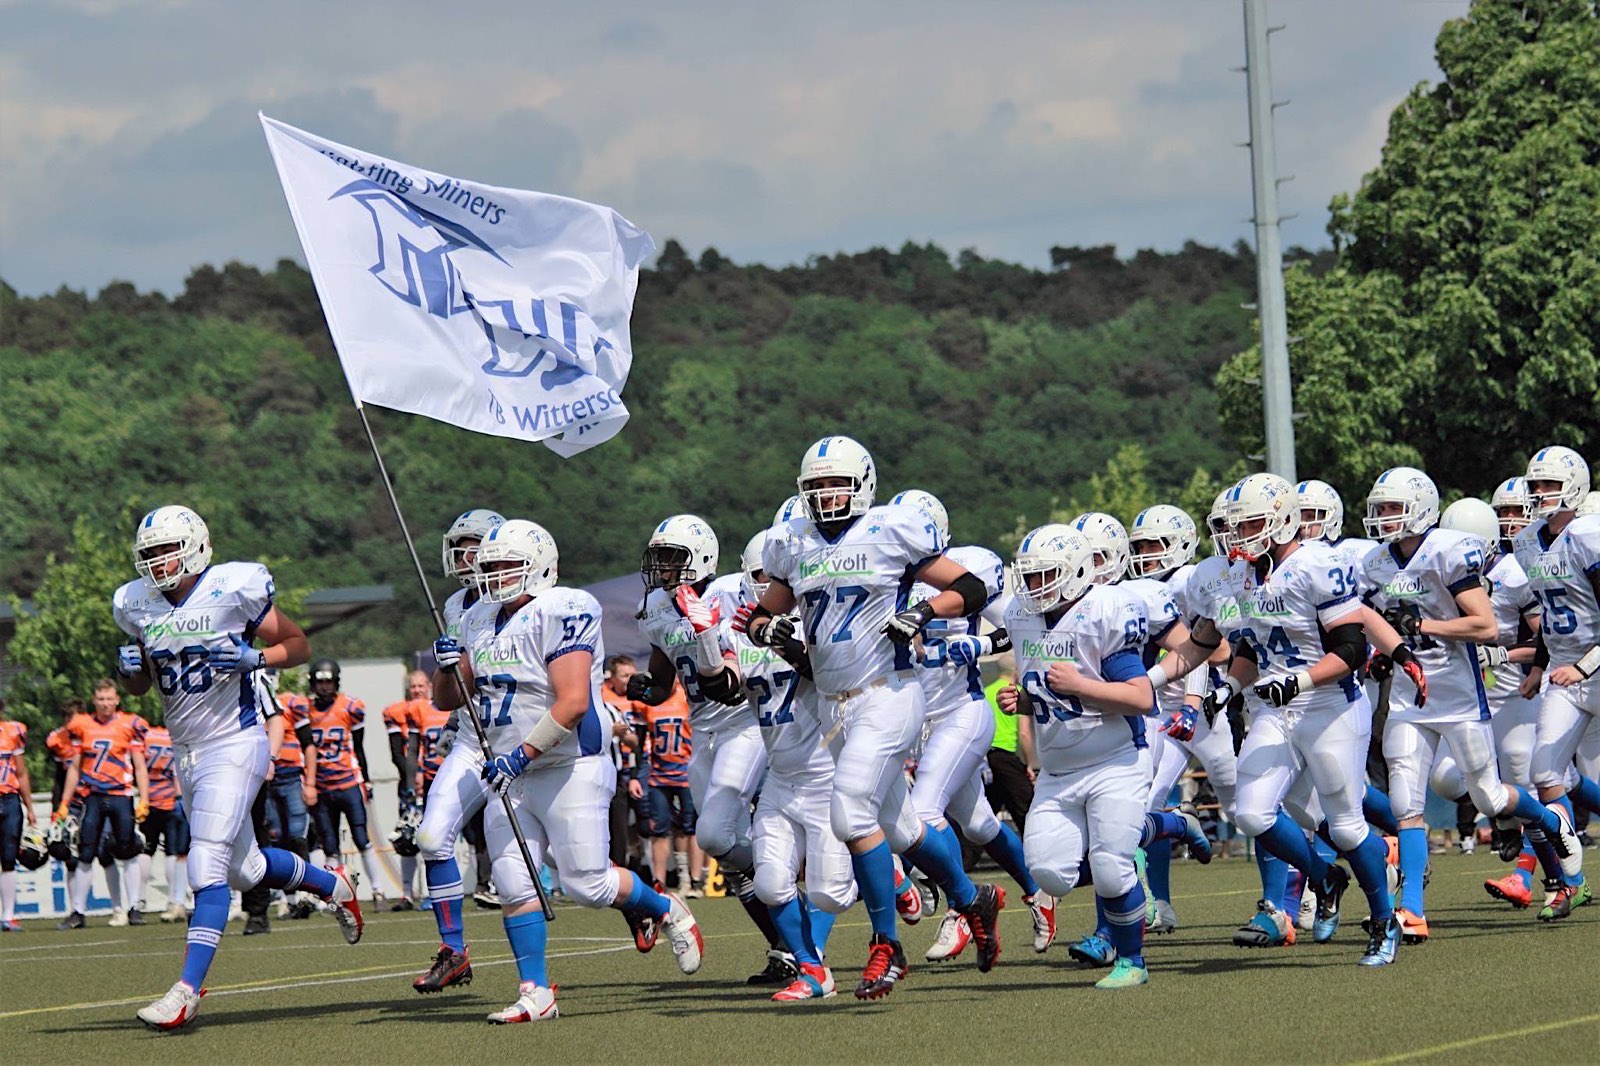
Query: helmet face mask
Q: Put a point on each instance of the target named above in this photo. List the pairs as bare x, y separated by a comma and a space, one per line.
516, 559
755, 580
462, 539
1053, 568
837, 481
682, 550
1512, 506
1162, 539
323, 679
171, 543
1403, 503
1263, 513
1557, 480
1321, 511
1217, 526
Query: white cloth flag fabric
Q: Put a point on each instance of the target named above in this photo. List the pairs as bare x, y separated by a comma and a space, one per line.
496, 310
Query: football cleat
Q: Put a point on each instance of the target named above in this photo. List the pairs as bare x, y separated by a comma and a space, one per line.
1270, 928
929, 893
1329, 895
1094, 950
780, 969
1467, 845
486, 899
347, 911
118, 920
983, 919
135, 916
256, 923
72, 921
301, 909
907, 900
1195, 839
644, 928
683, 933
1568, 847
10, 925
1383, 943
954, 936
886, 965
535, 1003
1506, 842
1165, 919
1557, 901
403, 903
1124, 975
174, 1010
1308, 912
1511, 888
1413, 927
450, 967
1043, 910
811, 982
1582, 896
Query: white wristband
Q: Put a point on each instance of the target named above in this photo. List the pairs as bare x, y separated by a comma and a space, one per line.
1157, 675
546, 735
708, 651
1303, 679
1589, 665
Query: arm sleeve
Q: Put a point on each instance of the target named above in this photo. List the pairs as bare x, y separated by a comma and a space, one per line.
1123, 665
397, 753
1348, 642
358, 739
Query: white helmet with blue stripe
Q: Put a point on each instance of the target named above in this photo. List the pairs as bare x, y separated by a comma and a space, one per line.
1321, 510
1272, 501
928, 504
472, 525
1512, 506
682, 551
171, 542
1109, 540
1567, 469
750, 562
1417, 496
1173, 533
837, 459
792, 508
1054, 565
517, 558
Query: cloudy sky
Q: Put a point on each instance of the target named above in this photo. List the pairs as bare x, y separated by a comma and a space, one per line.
129, 147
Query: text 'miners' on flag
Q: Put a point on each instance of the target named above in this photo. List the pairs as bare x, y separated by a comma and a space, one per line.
497, 310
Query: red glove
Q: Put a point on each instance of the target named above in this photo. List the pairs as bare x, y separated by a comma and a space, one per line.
1413, 670
741, 618
701, 615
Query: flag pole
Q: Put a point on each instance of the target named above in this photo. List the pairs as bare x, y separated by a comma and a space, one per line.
455, 671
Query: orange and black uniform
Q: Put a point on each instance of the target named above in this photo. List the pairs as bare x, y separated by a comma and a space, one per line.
13, 742
105, 762
669, 807
167, 820
402, 721
338, 729
431, 725
287, 818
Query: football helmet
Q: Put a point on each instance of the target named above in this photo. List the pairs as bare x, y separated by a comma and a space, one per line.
1217, 524
323, 670
1472, 515
62, 841
837, 457
1511, 506
1171, 530
1061, 559
1418, 497
1110, 542
530, 550
34, 849
1321, 510
1269, 499
928, 504
681, 551
472, 525
1563, 466
750, 563
404, 837
792, 508
1590, 505
168, 535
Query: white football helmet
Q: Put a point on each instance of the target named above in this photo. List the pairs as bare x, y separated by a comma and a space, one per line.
681, 551
168, 535
1590, 505
1563, 466
1217, 524
530, 550
1269, 499
1321, 510
1171, 530
928, 504
1418, 497
1472, 515
472, 525
792, 508
1512, 507
1110, 542
750, 562
1062, 561
837, 457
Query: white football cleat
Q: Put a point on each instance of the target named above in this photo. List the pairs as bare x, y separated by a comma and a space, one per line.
1308, 911
535, 1003
346, 910
118, 919
683, 932
174, 1010
174, 913
954, 936
1043, 909
1569, 848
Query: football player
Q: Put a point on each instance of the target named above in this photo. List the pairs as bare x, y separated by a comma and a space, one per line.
847, 567
292, 790
194, 626
530, 652
167, 823
403, 723
336, 724
110, 759
16, 788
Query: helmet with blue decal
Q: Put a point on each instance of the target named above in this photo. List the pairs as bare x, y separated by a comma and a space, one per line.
1472, 515
682, 551
1512, 506
518, 558
1054, 565
1110, 543
1217, 524
170, 544
792, 508
1562, 467
928, 504
837, 469
472, 526
1162, 539
1414, 493
1321, 511
1270, 500
750, 562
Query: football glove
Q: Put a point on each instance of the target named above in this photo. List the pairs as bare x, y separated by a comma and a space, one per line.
776, 632
141, 809
1180, 726
1406, 661
1215, 700
1237, 725
447, 652
701, 615
130, 660
1407, 623
500, 771
447, 740
904, 627
965, 651
1281, 691
1492, 656
1380, 667
639, 687
236, 657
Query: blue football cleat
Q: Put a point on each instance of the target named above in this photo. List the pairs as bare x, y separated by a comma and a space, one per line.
1383, 944
1194, 838
1329, 895
1094, 950
1270, 928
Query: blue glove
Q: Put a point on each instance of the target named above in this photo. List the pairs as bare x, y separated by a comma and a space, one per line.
965, 651
447, 740
236, 657
446, 652
130, 660
504, 769
1181, 725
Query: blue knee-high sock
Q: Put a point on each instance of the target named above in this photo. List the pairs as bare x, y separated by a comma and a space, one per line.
528, 934
1274, 874
1585, 794
1161, 825
1530, 810
1102, 924
1545, 851
1126, 916
875, 880
821, 923
795, 930
445, 890
938, 854
1158, 869
634, 895
1413, 864
205, 930
1294, 888
1370, 861
1526, 862
1285, 839
290, 872
1379, 812
1006, 850
1324, 848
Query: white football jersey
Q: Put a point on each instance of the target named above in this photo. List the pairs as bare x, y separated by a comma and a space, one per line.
1161, 608
1560, 573
510, 660
454, 609
1283, 618
725, 594
1170, 695
785, 706
1446, 563
228, 600
1105, 623
1354, 552
665, 627
848, 588
1513, 602
947, 686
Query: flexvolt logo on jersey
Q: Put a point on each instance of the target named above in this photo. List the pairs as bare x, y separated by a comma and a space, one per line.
1558, 569
845, 566
680, 637
499, 653
1259, 606
1404, 587
199, 626
1051, 649
757, 656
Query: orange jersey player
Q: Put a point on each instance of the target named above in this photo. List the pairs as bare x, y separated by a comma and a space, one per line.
432, 727
162, 768
670, 740
109, 746
15, 805
403, 722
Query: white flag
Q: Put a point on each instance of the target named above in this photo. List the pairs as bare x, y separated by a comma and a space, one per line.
496, 310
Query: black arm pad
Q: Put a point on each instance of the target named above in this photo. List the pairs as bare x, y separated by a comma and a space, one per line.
973, 595
1541, 654
999, 641
794, 653
1245, 650
1348, 642
722, 687
302, 733
397, 755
